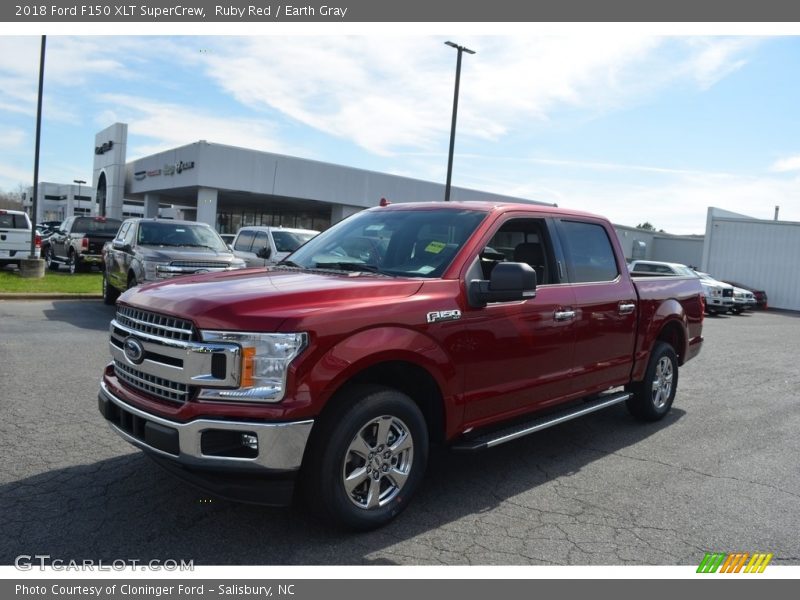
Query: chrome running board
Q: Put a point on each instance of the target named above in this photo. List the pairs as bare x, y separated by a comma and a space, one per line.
501, 436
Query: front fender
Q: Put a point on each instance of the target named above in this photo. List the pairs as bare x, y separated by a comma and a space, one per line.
371, 347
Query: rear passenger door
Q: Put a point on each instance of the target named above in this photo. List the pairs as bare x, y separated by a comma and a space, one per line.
605, 306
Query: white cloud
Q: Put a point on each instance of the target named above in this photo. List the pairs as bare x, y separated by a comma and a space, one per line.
394, 94
166, 125
791, 163
675, 201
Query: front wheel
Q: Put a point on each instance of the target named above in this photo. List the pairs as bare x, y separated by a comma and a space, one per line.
652, 398
367, 458
49, 259
72, 262
110, 293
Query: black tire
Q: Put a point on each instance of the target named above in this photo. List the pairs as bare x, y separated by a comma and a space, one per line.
110, 293
652, 397
132, 283
49, 259
347, 442
72, 262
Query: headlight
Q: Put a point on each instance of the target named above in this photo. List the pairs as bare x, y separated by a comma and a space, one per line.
265, 362
151, 270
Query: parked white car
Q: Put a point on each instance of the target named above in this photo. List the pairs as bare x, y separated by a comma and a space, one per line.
259, 246
719, 295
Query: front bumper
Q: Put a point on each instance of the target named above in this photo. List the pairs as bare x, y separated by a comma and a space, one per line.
210, 453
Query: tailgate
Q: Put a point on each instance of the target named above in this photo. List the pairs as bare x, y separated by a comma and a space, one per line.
13, 241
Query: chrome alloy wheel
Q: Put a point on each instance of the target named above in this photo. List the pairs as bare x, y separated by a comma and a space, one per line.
662, 382
377, 462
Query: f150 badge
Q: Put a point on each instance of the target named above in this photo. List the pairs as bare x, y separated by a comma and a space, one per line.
444, 315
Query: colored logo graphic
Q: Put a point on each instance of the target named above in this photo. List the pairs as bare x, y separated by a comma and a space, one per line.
739, 562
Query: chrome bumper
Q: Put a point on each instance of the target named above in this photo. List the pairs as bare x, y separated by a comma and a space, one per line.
280, 445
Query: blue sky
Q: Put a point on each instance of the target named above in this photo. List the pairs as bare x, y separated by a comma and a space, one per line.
636, 127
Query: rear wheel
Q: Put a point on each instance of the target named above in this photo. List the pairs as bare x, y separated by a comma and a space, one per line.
367, 458
652, 397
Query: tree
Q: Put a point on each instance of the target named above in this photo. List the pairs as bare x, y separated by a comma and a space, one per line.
648, 226
10, 200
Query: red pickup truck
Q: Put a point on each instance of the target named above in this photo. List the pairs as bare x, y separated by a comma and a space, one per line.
465, 324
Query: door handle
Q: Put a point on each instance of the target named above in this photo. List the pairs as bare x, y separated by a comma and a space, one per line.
564, 315
626, 308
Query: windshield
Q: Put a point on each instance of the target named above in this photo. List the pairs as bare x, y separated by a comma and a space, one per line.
685, 271
99, 225
412, 243
164, 233
289, 241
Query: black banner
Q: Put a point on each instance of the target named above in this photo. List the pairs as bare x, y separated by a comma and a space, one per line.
454, 11
387, 589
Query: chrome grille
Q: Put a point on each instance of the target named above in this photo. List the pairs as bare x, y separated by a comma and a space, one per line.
197, 264
169, 328
150, 384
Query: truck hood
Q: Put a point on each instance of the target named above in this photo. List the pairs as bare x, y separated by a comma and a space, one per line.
261, 300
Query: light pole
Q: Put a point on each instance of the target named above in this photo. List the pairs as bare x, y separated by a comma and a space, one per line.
78, 197
461, 50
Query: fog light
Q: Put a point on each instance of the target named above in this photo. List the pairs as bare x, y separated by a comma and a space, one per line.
250, 441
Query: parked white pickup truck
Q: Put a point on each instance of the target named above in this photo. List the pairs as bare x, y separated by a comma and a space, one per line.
719, 296
15, 237
259, 245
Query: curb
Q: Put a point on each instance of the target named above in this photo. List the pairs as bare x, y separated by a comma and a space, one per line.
47, 296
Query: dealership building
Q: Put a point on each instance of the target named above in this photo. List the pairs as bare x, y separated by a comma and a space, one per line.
230, 187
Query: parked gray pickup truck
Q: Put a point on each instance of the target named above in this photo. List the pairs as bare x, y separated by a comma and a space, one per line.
78, 242
147, 250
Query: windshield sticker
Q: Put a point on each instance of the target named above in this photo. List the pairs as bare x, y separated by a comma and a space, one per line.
435, 247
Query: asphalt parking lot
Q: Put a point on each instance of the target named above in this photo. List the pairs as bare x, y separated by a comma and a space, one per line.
718, 474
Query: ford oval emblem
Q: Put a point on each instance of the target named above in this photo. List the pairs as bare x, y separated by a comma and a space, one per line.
134, 351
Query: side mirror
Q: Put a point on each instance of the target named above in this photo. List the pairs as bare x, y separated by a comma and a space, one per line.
509, 282
264, 252
120, 245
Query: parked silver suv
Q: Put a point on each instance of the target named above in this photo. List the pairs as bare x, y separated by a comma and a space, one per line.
156, 249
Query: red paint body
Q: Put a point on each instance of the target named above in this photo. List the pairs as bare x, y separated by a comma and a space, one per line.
494, 363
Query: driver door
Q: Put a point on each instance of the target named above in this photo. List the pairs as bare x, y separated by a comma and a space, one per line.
520, 353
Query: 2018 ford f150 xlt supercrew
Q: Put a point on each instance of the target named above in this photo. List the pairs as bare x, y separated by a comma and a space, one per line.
469, 324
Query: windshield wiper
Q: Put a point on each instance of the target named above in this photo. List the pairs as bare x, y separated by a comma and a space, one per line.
197, 246
289, 264
351, 266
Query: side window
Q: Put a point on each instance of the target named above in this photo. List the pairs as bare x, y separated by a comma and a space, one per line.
130, 235
122, 231
244, 240
590, 256
260, 241
520, 240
